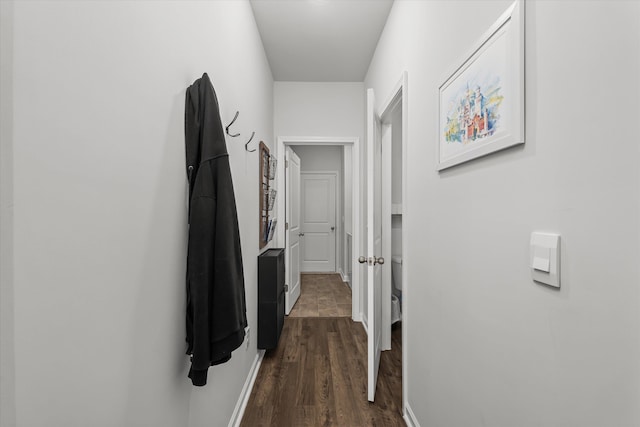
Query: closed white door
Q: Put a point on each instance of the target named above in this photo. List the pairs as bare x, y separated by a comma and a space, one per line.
318, 239
292, 257
374, 259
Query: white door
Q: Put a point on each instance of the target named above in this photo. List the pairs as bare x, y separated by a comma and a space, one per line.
292, 256
318, 240
374, 259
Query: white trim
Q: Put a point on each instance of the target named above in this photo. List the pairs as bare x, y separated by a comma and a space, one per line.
388, 108
281, 142
243, 399
393, 99
405, 237
409, 417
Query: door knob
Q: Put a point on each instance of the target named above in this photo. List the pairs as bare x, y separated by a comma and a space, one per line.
362, 260
333, 228
379, 260
300, 234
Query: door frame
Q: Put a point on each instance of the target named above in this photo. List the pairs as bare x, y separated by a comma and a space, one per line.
354, 142
398, 97
395, 100
338, 208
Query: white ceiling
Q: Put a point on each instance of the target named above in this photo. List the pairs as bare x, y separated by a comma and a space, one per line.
320, 40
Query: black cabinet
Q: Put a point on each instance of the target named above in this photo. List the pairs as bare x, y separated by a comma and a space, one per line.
270, 297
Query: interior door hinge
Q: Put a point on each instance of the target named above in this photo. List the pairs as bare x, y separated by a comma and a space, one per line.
286, 163
286, 225
286, 288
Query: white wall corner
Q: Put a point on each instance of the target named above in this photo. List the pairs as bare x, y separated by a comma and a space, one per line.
409, 417
243, 399
347, 279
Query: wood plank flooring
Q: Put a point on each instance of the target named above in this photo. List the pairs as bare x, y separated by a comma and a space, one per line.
322, 295
318, 377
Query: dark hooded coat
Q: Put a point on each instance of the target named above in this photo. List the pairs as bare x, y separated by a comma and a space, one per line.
216, 308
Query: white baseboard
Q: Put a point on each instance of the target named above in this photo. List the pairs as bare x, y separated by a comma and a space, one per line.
409, 417
365, 324
241, 405
345, 278
342, 276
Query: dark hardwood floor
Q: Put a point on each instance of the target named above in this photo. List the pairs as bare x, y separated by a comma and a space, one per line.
318, 377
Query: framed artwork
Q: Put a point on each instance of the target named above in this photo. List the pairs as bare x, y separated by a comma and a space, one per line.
481, 101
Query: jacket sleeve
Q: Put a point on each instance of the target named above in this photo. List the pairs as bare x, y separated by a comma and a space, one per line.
199, 276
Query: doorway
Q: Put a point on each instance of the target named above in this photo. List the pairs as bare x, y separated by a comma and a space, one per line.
395, 289
346, 226
386, 136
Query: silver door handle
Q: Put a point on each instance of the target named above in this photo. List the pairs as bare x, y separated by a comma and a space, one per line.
371, 261
300, 234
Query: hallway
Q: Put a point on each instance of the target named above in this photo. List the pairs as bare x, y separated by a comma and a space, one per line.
318, 377
322, 295
512, 122
318, 374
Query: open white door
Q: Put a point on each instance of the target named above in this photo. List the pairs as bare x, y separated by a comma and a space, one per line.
374, 259
292, 251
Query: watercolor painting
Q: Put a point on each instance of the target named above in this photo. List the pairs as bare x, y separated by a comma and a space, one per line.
474, 112
481, 103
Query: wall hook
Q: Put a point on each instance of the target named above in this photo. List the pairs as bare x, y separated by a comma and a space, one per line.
246, 146
229, 125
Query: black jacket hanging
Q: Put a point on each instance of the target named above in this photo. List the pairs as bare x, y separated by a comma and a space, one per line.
216, 308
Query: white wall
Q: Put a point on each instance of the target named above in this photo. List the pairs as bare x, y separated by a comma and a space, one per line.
487, 345
7, 368
100, 205
318, 109
315, 158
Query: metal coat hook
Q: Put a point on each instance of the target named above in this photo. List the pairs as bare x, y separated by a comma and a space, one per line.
246, 146
229, 125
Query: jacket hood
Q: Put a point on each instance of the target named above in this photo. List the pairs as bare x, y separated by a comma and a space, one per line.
204, 136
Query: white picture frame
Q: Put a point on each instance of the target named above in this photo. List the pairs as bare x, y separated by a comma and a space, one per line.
481, 101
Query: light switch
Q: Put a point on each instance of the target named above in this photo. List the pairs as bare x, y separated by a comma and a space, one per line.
541, 259
545, 258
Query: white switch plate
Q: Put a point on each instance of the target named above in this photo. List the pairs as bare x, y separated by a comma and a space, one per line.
544, 258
